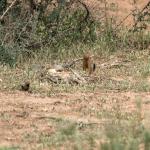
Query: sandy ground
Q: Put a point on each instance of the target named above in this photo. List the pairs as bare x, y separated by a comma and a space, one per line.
117, 8
23, 113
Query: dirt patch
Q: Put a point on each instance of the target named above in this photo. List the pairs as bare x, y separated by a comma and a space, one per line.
22, 113
116, 8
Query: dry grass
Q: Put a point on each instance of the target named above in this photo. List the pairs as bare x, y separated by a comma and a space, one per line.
111, 113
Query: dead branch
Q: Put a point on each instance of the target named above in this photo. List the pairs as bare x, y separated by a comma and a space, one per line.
77, 75
70, 64
123, 20
11, 5
87, 11
140, 16
86, 17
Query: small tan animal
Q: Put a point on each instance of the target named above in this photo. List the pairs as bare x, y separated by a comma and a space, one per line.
88, 64
25, 86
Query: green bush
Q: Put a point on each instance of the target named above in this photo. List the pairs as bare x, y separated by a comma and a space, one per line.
8, 56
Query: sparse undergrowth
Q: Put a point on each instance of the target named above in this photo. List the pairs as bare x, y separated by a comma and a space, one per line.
115, 128
130, 74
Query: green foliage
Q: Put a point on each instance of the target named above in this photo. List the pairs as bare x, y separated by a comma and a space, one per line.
109, 36
69, 130
9, 148
7, 56
137, 40
67, 27
56, 31
147, 140
2, 6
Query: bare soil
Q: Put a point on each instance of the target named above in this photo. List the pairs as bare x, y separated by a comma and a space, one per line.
23, 113
119, 9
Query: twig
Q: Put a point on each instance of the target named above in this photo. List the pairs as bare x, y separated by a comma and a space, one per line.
70, 64
75, 73
1, 18
123, 20
79, 78
87, 11
131, 14
140, 16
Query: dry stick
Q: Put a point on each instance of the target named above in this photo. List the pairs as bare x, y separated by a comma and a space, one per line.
73, 62
1, 18
140, 16
131, 14
123, 20
77, 75
70, 64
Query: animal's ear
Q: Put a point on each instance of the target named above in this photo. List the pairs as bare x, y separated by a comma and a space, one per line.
94, 67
